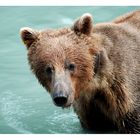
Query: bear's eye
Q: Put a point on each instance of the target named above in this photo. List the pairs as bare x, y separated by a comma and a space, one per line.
71, 67
49, 70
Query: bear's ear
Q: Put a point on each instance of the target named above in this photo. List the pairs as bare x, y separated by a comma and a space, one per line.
84, 24
28, 36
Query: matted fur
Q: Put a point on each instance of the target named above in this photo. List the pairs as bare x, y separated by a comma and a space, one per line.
106, 99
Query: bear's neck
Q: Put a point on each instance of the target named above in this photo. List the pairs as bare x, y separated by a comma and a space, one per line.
91, 115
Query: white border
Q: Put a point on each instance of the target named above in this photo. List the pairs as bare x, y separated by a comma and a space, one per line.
68, 137
69, 2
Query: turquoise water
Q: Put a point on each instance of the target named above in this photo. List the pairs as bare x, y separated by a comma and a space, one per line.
25, 107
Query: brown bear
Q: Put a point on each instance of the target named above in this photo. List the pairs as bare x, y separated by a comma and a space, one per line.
94, 68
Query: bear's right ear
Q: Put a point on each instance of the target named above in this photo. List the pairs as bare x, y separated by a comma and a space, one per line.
28, 36
84, 24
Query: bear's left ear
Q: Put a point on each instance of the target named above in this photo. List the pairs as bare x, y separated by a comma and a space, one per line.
28, 36
84, 24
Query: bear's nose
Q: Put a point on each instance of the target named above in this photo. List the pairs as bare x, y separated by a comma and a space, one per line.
60, 99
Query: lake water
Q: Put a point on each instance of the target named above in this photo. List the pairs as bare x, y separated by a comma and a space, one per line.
25, 107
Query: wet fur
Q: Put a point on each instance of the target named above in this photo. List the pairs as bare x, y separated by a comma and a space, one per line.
106, 98
117, 95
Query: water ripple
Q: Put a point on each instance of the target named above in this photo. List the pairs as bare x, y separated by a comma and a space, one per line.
12, 112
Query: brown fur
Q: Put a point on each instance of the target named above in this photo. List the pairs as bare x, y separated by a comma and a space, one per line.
106, 98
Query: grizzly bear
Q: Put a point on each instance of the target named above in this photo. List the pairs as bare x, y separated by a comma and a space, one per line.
94, 68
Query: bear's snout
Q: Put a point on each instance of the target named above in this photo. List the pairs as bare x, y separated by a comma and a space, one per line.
61, 90
59, 99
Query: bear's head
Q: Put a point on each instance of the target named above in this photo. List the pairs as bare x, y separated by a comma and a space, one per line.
63, 59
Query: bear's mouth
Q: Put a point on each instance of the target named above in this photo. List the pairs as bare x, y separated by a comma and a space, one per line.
67, 105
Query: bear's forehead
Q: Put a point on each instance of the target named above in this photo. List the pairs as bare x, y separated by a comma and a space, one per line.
61, 37
62, 42
60, 47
